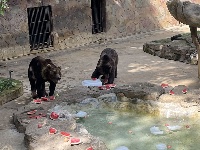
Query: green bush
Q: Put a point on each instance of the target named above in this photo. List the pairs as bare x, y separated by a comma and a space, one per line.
3, 6
6, 84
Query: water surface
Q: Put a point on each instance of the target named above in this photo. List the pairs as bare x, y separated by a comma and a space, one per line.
133, 130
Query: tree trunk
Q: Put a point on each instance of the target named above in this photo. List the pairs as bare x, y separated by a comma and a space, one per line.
195, 40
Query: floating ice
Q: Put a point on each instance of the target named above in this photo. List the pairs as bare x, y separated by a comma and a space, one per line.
81, 114
174, 128
161, 146
155, 130
122, 148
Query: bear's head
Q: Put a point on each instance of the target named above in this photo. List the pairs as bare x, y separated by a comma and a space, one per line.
105, 66
53, 73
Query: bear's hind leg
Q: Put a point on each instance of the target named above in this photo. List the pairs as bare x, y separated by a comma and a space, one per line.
116, 72
33, 88
40, 89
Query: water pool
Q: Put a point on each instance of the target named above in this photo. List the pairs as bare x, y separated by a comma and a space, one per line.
133, 130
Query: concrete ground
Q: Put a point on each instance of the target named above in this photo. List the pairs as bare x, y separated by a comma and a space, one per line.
78, 64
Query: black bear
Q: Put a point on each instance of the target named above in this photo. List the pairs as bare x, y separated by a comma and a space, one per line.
107, 66
43, 70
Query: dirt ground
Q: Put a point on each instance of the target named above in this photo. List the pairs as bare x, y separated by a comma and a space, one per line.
78, 64
134, 65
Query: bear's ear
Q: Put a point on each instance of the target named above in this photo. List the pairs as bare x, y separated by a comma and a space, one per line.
100, 63
48, 60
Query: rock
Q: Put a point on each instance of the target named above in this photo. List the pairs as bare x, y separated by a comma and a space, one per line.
179, 89
35, 137
144, 91
90, 103
107, 100
124, 106
185, 12
170, 50
144, 98
111, 97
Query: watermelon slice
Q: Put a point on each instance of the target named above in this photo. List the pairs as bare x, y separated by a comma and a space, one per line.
65, 133
75, 141
54, 116
164, 85
89, 148
171, 92
31, 112
107, 86
52, 130
35, 117
184, 91
44, 98
39, 125
37, 101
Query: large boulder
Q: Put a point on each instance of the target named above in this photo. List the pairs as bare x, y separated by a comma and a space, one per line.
185, 12
38, 138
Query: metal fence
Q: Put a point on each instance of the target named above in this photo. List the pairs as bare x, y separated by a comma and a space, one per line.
40, 27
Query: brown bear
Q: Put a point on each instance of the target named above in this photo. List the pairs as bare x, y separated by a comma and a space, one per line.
43, 70
107, 66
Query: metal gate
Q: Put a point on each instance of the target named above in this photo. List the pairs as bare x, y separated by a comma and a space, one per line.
40, 27
98, 15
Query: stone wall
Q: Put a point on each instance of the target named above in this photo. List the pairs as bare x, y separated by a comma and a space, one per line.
180, 49
72, 24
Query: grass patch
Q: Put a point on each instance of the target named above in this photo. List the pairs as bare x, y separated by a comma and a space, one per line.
6, 84
10, 89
